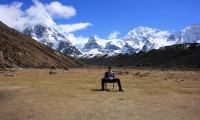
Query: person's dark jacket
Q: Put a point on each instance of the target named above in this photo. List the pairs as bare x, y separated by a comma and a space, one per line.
109, 74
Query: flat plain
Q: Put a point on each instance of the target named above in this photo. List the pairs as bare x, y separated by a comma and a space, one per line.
150, 94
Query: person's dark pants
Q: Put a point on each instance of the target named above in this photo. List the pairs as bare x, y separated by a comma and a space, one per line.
103, 81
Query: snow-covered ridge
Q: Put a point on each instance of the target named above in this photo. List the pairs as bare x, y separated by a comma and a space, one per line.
139, 39
190, 34
96, 45
47, 32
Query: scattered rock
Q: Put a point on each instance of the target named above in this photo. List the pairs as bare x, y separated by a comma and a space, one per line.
66, 68
137, 74
10, 75
138, 65
179, 80
165, 79
121, 72
126, 72
53, 72
146, 74
53, 68
169, 75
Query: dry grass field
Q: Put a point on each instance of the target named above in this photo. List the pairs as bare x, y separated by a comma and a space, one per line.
74, 95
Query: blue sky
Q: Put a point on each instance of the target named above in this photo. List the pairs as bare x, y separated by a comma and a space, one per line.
123, 15
107, 16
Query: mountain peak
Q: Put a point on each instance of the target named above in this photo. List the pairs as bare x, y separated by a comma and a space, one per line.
141, 34
93, 38
38, 15
144, 28
195, 25
192, 27
189, 34
48, 33
141, 30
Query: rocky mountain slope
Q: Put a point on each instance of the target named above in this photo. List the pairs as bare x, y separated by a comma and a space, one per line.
18, 50
182, 55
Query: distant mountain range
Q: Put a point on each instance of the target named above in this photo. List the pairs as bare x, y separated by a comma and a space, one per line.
43, 29
47, 32
18, 50
176, 56
146, 47
140, 39
140, 47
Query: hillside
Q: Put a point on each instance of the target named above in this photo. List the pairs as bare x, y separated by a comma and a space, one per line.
18, 50
182, 55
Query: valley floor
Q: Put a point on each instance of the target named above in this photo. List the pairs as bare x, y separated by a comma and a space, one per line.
74, 95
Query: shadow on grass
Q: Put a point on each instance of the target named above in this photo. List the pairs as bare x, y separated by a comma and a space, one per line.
96, 90
5, 95
99, 90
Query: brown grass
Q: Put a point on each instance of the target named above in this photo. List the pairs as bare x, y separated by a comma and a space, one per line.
74, 95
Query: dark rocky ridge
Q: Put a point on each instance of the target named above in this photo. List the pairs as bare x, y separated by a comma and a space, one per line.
175, 56
18, 50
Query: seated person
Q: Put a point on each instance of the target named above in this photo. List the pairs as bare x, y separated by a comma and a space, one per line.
110, 77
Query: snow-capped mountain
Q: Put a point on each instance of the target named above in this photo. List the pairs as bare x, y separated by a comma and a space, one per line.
96, 45
145, 39
141, 39
93, 45
189, 34
47, 32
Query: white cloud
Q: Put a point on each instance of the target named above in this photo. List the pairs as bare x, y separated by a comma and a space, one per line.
12, 15
56, 9
68, 28
77, 40
37, 14
113, 35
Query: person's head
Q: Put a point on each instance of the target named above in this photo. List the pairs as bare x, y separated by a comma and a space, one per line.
109, 68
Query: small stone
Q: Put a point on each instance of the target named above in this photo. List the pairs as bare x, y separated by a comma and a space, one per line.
165, 79
179, 80
10, 75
